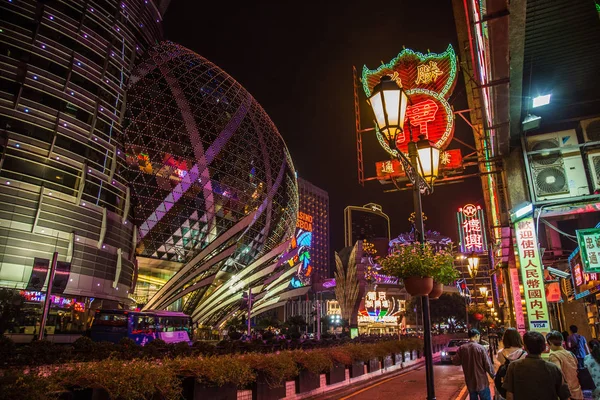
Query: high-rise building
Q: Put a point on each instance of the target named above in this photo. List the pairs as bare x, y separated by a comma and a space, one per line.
64, 67
368, 222
314, 208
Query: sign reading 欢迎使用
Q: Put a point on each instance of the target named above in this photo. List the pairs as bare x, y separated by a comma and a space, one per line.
589, 245
532, 275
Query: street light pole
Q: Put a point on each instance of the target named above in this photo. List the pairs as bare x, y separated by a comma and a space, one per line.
420, 237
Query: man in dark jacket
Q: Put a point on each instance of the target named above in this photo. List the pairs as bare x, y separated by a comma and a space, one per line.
532, 378
476, 365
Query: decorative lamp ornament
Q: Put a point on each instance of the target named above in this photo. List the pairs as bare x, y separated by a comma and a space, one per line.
429, 160
473, 265
389, 102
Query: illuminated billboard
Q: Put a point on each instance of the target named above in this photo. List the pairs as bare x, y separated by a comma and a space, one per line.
471, 229
450, 160
428, 80
378, 307
302, 241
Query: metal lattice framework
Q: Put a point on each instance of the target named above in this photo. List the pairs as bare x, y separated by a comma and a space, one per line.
212, 180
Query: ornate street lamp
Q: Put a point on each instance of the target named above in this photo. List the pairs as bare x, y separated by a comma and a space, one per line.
473, 261
389, 103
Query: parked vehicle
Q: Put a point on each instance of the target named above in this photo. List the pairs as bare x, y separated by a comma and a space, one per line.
450, 349
141, 326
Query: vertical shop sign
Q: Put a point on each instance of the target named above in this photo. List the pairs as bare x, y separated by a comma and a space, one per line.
471, 229
532, 275
519, 317
589, 243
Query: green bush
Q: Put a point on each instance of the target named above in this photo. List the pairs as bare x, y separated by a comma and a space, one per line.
155, 349
180, 349
128, 349
361, 352
315, 361
8, 350
275, 368
215, 370
15, 384
339, 355
203, 348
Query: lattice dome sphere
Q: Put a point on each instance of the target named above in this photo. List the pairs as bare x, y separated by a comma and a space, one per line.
208, 166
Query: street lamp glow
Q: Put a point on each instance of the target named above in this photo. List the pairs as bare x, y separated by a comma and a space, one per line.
473, 265
483, 290
541, 100
429, 160
389, 103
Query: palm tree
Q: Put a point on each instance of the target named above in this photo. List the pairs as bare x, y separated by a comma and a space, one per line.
346, 284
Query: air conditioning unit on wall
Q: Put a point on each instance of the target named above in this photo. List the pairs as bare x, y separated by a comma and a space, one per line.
591, 129
594, 166
556, 166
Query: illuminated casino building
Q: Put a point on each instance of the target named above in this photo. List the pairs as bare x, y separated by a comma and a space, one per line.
214, 191
314, 212
64, 65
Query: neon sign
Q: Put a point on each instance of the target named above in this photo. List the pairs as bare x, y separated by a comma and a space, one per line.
61, 302
304, 222
378, 308
471, 229
428, 80
516, 292
449, 160
532, 275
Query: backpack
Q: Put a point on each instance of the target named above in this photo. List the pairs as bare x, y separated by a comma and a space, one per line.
501, 373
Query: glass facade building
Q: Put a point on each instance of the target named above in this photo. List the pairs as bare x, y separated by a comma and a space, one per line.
64, 67
213, 184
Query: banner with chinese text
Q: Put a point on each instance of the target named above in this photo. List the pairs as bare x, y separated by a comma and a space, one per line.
589, 244
514, 283
532, 275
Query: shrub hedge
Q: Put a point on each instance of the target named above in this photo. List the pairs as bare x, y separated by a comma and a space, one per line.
158, 372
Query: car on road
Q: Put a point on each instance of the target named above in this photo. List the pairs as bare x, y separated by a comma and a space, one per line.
450, 349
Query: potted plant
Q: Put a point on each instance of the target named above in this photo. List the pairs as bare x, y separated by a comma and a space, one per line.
414, 264
311, 364
361, 354
444, 272
341, 358
272, 371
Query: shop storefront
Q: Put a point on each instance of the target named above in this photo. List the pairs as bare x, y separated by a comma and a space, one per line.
586, 291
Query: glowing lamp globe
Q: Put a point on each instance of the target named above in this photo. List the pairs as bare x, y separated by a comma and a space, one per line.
389, 102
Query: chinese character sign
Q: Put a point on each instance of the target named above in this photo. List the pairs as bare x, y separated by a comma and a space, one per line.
516, 292
471, 229
532, 275
450, 160
428, 81
589, 245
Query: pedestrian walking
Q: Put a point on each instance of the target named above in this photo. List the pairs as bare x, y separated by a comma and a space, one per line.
532, 378
512, 350
566, 361
578, 345
592, 363
476, 365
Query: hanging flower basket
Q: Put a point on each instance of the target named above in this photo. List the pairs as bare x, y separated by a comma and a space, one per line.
436, 292
416, 286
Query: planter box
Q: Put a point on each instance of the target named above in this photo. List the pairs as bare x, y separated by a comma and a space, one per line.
262, 391
336, 375
357, 369
398, 358
78, 393
373, 365
192, 390
307, 381
387, 362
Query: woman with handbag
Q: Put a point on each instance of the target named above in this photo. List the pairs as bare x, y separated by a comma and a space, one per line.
592, 363
512, 350
566, 361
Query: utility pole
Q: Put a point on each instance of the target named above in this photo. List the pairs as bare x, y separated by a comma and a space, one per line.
249, 308
318, 317
48, 299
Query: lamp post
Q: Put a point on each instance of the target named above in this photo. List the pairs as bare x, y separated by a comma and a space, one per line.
389, 102
473, 261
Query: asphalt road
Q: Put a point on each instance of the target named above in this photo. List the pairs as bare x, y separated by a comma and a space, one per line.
449, 382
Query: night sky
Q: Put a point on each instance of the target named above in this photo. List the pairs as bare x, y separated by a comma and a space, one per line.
296, 59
